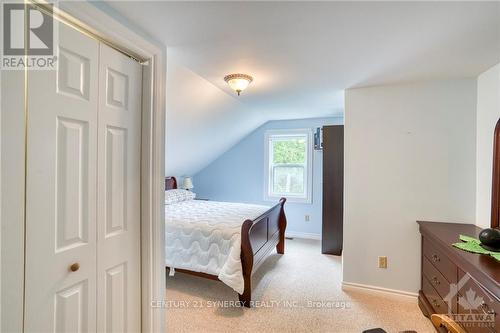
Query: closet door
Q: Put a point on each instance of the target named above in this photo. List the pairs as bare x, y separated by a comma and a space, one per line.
61, 188
118, 219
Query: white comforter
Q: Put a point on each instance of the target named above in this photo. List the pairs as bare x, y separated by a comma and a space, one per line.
205, 236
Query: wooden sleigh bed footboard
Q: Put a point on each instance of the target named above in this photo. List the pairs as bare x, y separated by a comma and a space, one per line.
259, 237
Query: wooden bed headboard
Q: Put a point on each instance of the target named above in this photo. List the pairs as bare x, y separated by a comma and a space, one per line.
170, 183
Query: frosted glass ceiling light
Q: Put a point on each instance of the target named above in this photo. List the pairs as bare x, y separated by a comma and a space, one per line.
238, 82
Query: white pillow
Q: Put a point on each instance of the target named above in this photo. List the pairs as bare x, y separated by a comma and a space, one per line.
178, 195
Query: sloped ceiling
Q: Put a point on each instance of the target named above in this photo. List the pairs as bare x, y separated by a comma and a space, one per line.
202, 121
302, 56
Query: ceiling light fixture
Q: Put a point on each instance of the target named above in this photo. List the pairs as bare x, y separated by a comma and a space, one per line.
238, 82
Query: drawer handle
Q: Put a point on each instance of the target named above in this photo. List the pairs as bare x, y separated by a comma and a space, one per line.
487, 309
435, 258
435, 304
436, 281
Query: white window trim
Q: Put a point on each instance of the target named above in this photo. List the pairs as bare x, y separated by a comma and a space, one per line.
309, 165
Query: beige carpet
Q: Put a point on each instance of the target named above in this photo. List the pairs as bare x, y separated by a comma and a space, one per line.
286, 285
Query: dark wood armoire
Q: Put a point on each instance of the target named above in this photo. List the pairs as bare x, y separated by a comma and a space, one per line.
333, 189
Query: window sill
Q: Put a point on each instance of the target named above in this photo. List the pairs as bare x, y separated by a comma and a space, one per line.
288, 199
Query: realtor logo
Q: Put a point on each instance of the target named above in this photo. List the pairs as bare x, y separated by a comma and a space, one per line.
28, 37
476, 309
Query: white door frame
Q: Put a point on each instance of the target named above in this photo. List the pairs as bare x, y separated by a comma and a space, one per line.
101, 21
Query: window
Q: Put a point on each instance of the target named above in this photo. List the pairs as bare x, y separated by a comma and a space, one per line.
288, 165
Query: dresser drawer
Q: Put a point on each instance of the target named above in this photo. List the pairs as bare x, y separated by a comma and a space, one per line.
435, 278
444, 265
476, 276
437, 303
474, 299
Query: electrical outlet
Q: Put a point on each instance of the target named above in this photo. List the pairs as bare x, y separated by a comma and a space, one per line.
382, 262
306, 218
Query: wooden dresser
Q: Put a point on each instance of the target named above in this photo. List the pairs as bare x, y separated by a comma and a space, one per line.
475, 302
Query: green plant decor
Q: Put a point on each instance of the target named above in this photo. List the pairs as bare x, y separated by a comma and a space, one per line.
470, 244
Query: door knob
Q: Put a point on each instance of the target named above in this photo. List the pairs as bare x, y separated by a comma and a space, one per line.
74, 267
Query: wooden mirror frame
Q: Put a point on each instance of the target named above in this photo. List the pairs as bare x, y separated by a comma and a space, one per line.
495, 190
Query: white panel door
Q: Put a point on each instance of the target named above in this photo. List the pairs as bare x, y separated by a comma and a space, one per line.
118, 193
61, 189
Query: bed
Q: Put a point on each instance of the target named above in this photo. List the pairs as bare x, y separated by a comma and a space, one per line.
222, 241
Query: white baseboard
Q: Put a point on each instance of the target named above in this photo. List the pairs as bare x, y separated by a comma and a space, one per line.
304, 235
379, 290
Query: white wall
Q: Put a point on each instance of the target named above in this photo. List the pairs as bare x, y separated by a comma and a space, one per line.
488, 112
409, 155
12, 200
